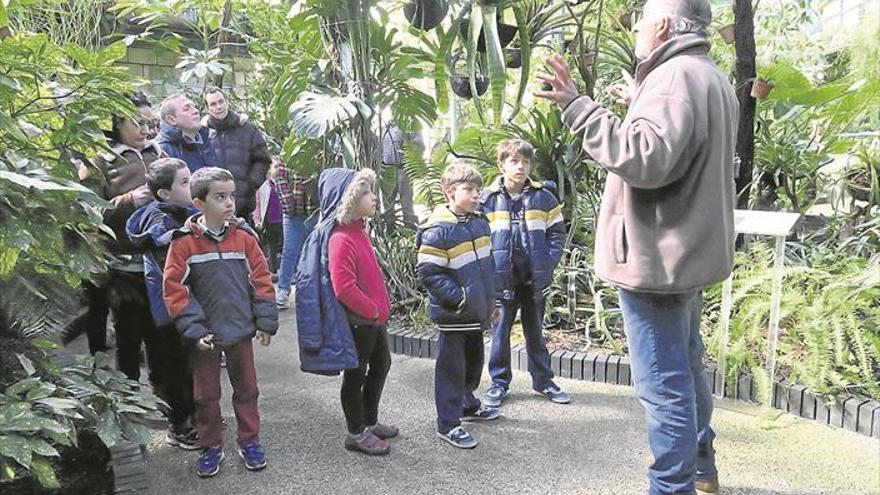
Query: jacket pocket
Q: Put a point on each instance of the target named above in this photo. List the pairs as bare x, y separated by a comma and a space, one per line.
618, 230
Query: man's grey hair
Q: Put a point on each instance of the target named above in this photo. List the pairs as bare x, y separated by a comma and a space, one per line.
688, 16
168, 106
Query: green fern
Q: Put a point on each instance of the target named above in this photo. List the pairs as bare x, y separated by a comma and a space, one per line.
828, 323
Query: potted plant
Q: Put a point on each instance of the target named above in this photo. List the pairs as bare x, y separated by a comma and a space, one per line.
425, 14
625, 20
461, 85
863, 180
727, 33
761, 88
588, 57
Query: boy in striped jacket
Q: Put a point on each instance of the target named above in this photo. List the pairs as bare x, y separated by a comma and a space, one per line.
528, 236
455, 265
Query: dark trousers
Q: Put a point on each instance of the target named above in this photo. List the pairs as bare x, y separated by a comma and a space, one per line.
133, 323
456, 376
92, 321
206, 391
532, 317
273, 243
362, 386
176, 378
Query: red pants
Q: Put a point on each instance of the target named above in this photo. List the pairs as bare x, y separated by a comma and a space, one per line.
206, 393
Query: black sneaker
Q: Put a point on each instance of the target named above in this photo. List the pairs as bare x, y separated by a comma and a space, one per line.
185, 440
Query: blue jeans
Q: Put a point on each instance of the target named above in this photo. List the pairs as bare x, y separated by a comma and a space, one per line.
295, 232
532, 320
666, 350
457, 374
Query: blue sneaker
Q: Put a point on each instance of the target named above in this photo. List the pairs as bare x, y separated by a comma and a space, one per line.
482, 414
555, 394
458, 437
253, 455
494, 395
209, 462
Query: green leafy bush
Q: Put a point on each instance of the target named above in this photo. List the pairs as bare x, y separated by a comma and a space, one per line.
829, 336
49, 406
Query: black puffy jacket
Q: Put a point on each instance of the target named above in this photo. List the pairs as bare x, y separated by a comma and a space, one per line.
241, 149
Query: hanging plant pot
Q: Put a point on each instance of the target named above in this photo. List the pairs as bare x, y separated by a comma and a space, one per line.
425, 14
513, 58
506, 33
625, 21
461, 85
761, 88
588, 58
727, 35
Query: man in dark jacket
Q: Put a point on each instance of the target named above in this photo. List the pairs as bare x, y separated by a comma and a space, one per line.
181, 134
240, 148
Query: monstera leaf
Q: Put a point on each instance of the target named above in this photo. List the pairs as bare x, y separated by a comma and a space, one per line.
315, 114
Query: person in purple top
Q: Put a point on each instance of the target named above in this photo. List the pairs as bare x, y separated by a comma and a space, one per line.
268, 218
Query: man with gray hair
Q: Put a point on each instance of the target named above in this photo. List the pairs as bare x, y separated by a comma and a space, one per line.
665, 228
181, 134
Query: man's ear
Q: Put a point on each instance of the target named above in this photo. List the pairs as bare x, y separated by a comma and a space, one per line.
663, 27
199, 204
164, 194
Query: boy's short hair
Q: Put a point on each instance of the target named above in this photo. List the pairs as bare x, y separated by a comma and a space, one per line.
161, 174
201, 180
514, 146
460, 172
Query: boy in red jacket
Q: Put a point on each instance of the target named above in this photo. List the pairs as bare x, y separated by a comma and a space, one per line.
218, 291
359, 285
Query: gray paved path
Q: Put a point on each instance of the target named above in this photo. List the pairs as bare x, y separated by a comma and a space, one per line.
596, 445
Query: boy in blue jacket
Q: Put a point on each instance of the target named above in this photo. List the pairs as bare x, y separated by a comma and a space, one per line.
150, 229
528, 236
455, 265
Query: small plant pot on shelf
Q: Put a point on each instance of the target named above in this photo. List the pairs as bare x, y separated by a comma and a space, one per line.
761, 89
506, 34
425, 14
513, 58
461, 86
727, 34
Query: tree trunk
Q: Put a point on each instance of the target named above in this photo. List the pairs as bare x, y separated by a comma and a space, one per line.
744, 30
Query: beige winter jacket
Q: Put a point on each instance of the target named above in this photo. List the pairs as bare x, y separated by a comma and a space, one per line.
666, 220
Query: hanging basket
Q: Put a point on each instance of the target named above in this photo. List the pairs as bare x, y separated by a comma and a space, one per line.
506, 34
513, 58
625, 20
461, 85
727, 34
425, 14
761, 88
588, 58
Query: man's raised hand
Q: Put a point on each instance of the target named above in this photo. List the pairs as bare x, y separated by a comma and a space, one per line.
563, 91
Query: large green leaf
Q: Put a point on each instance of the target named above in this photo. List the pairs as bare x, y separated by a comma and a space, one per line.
476, 25
525, 55
314, 114
17, 448
495, 55
44, 473
108, 428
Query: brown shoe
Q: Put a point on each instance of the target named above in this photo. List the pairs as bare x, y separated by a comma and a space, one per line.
370, 444
707, 485
384, 431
